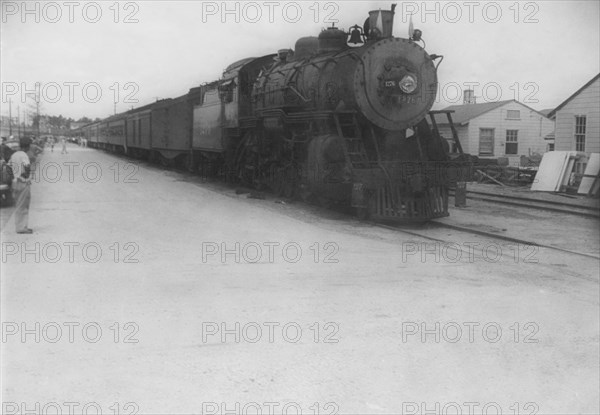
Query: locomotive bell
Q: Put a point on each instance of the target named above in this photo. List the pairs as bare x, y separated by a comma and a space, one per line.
355, 35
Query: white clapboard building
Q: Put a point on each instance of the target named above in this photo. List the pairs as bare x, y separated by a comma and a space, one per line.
503, 129
578, 120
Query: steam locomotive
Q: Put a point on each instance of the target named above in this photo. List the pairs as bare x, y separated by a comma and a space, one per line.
340, 119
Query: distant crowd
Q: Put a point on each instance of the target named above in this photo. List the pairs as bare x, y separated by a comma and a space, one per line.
10, 145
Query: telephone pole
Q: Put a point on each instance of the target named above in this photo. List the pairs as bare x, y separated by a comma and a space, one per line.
37, 106
9, 116
18, 122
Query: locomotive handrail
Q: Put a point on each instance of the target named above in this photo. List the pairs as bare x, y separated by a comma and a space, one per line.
295, 91
448, 113
382, 167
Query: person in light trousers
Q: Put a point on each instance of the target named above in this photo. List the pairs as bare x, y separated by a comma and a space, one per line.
21, 167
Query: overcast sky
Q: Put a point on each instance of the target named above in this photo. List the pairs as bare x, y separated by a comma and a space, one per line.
538, 52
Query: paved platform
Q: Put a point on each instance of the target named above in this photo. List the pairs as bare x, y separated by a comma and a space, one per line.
171, 295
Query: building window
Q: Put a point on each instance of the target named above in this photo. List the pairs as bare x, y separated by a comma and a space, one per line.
580, 133
550, 146
513, 115
486, 141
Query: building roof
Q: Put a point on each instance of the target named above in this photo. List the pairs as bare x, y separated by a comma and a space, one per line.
466, 112
463, 113
591, 81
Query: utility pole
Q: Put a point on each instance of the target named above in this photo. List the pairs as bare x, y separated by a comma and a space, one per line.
18, 122
9, 116
37, 106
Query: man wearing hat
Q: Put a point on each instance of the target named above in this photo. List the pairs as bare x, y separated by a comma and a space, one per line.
21, 167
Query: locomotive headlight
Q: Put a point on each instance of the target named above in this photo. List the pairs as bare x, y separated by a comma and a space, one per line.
408, 84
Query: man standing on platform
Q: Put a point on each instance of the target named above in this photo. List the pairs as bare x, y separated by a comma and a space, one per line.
21, 167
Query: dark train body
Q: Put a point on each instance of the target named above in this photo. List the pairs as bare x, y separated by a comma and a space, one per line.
328, 122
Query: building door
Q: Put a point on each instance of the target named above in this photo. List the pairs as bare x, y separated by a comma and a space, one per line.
486, 141
512, 142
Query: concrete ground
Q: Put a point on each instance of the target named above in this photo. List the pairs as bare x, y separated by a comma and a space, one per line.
148, 291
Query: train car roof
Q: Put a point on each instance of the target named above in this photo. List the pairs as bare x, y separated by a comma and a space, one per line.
142, 108
169, 101
236, 67
238, 64
115, 117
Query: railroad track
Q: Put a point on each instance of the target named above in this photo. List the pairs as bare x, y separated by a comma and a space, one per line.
509, 255
532, 203
479, 232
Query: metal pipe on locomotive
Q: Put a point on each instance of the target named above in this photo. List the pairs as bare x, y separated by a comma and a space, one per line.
341, 119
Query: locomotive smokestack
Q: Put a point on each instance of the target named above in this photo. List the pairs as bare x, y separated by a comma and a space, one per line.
469, 97
381, 23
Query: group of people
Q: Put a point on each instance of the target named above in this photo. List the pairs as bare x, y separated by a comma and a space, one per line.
17, 170
18, 165
63, 141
